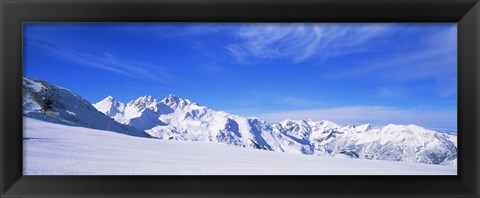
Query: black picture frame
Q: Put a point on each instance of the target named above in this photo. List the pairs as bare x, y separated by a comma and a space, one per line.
15, 12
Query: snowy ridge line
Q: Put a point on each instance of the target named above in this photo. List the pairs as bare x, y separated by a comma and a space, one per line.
181, 119
60, 105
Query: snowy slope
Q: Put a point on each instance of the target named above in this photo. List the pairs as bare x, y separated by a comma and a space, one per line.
110, 107
392, 142
181, 119
59, 105
54, 149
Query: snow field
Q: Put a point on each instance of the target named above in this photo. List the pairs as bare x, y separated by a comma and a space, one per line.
54, 149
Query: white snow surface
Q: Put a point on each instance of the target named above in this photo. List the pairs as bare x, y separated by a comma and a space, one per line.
59, 105
29, 104
54, 149
35, 86
181, 119
110, 107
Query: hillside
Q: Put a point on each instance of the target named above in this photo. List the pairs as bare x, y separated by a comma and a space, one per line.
54, 149
59, 105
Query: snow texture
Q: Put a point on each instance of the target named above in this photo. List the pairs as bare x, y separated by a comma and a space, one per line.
55, 149
174, 118
181, 119
59, 105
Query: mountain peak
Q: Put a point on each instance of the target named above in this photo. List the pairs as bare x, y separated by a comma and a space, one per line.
404, 127
110, 98
174, 101
109, 106
172, 96
143, 101
327, 122
147, 98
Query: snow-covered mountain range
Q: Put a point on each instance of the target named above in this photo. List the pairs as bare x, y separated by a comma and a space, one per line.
59, 105
181, 119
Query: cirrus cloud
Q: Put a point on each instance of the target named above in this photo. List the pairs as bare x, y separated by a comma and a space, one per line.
299, 42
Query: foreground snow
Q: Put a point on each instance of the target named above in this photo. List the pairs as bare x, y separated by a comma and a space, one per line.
53, 149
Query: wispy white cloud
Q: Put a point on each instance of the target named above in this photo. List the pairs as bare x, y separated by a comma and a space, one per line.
105, 61
299, 42
377, 115
435, 56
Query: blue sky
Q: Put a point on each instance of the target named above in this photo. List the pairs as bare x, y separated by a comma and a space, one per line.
402, 73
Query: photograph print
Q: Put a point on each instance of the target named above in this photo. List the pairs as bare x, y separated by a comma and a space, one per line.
240, 99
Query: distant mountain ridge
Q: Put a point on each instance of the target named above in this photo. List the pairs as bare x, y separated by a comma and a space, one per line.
181, 119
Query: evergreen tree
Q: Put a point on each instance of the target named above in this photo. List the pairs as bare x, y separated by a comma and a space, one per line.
47, 103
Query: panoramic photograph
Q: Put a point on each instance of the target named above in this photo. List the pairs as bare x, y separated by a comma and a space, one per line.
240, 99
